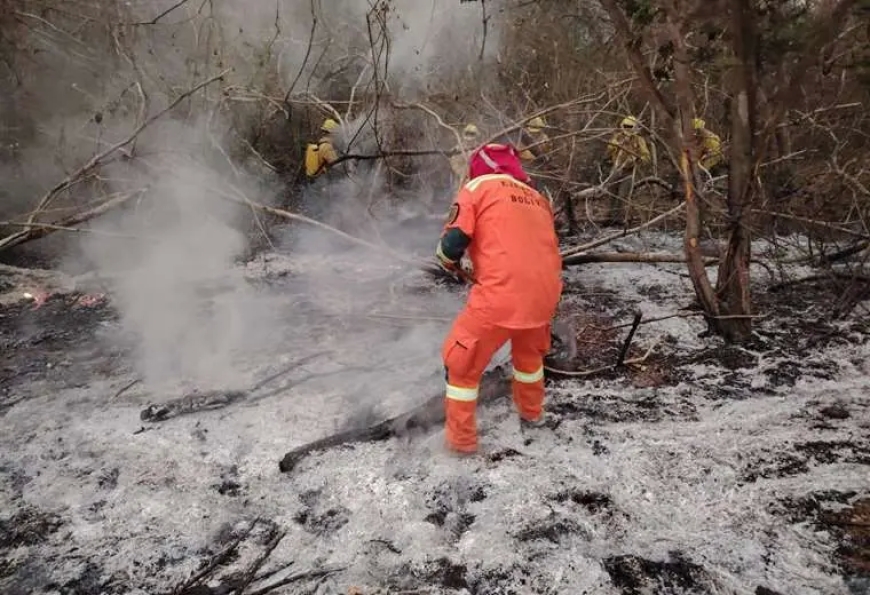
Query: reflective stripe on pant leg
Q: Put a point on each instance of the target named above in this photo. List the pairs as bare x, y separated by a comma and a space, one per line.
529, 378
458, 393
528, 398
466, 352
528, 347
460, 412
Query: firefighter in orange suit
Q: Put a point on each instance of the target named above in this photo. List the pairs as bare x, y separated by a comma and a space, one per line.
507, 230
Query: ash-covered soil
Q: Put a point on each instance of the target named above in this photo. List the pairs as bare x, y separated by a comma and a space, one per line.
705, 468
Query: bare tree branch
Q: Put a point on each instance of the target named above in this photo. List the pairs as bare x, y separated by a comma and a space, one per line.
98, 159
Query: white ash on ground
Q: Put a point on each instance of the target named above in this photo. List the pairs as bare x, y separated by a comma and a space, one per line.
686, 484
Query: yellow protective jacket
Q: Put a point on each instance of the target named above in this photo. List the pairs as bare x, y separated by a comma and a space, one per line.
539, 149
627, 149
320, 158
711, 149
459, 161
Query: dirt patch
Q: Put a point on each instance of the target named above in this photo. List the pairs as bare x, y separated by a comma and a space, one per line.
614, 409
817, 305
829, 416
28, 526
597, 341
441, 573
730, 357
852, 527
593, 502
56, 342
553, 529
677, 576
448, 504
803, 456
845, 516
89, 581
787, 373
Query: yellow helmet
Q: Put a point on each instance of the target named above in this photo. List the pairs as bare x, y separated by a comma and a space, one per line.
698, 123
535, 124
629, 122
329, 125
470, 131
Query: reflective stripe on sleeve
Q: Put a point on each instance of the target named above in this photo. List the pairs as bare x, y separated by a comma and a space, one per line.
529, 378
458, 393
439, 252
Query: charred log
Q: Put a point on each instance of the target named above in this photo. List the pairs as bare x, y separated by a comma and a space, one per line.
494, 384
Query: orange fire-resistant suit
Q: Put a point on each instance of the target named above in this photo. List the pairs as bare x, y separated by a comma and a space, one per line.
507, 229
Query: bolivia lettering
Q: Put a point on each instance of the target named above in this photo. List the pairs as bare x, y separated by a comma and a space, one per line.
525, 196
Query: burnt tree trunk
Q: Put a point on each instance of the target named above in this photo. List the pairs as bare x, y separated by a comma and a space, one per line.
689, 152
732, 285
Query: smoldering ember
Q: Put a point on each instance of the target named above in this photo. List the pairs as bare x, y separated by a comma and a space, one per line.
282, 283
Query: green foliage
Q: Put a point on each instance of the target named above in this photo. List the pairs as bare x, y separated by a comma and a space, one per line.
640, 12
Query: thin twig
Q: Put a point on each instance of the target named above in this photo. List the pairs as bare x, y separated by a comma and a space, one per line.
302, 218
126, 387
154, 21
307, 54
583, 373
485, 27
296, 578
216, 561
621, 234
258, 563
622, 352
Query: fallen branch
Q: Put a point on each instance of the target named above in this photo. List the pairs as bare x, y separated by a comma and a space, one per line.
493, 385
220, 558
650, 257
251, 573
843, 254
55, 227
37, 230
585, 373
197, 402
621, 234
687, 314
295, 578
126, 387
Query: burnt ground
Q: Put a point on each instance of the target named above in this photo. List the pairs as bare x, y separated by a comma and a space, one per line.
56, 346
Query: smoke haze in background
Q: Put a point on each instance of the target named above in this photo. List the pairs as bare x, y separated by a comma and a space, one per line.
180, 291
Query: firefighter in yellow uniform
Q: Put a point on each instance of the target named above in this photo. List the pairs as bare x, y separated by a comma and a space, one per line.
534, 135
627, 150
319, 156
710, 145
459, 161
535, 149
